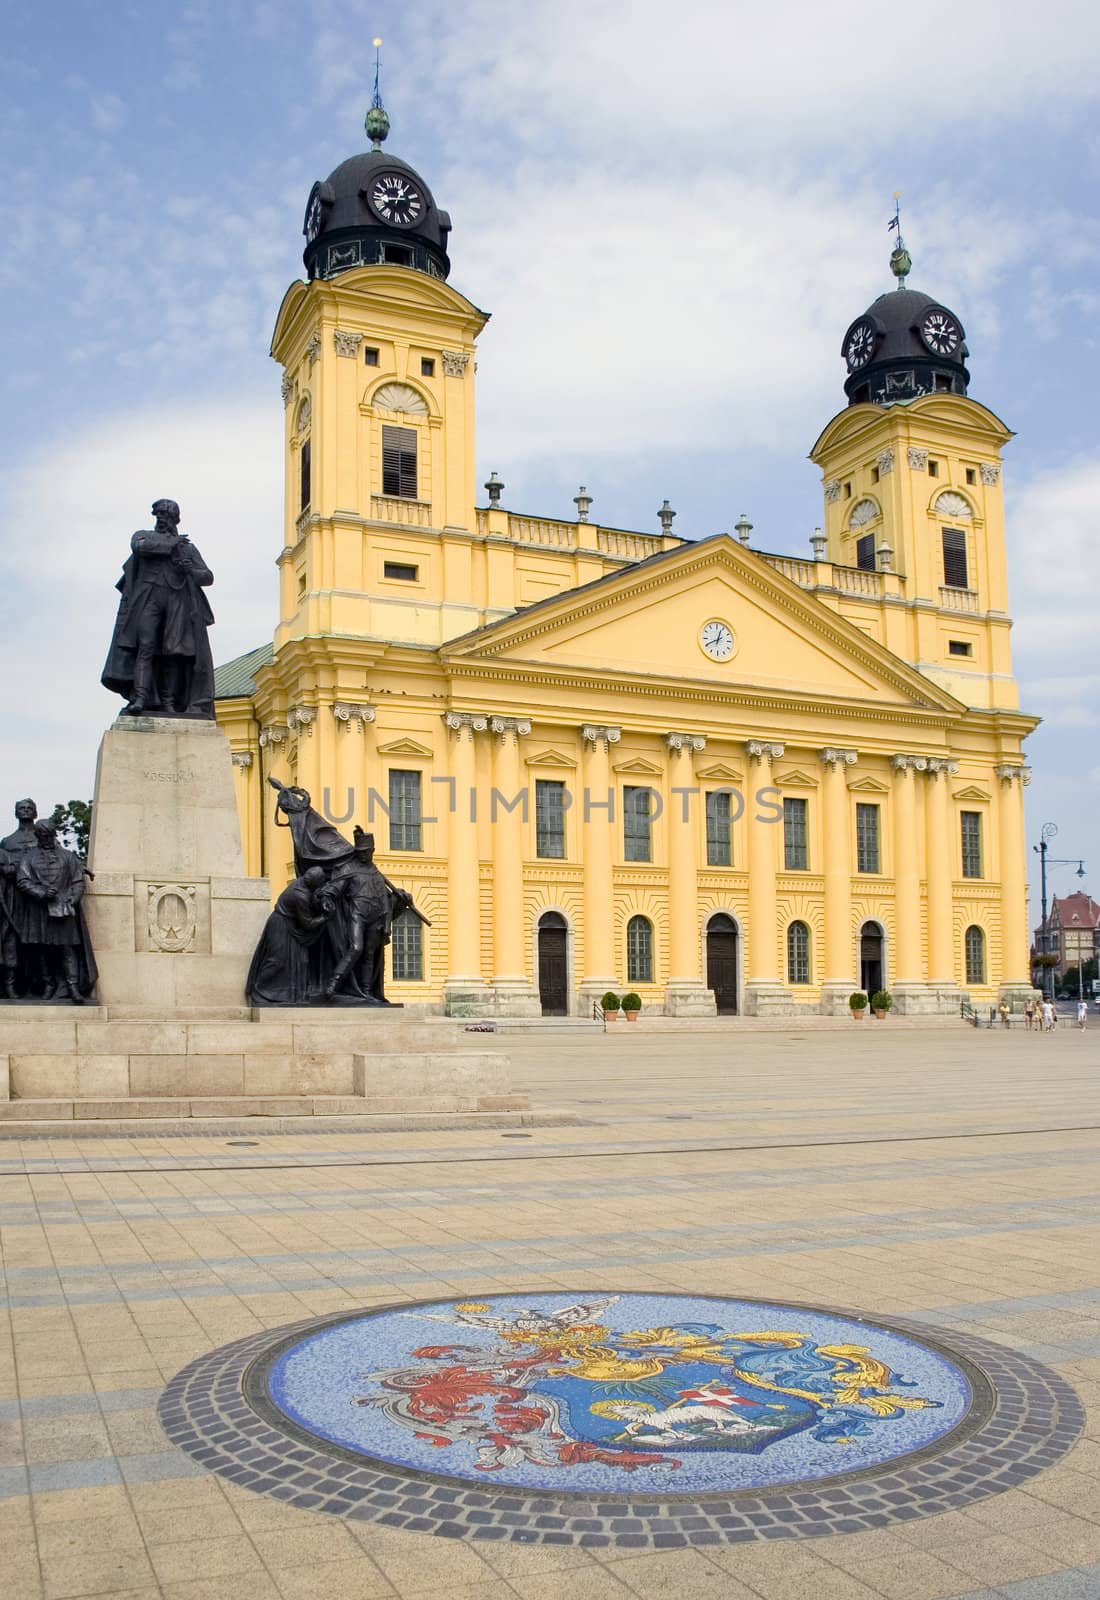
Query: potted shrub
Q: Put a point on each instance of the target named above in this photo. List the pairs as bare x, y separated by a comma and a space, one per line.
857, 1004
881, 1001
610, 1006
632, 1004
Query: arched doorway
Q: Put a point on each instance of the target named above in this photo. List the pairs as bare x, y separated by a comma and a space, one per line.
722, 963
554, 964
871, 971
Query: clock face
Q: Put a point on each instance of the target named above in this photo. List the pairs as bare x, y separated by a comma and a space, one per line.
396, 199
716, 639
940, 332
314, 218
860, 344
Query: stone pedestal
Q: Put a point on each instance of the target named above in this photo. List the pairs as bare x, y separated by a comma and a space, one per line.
763, 999
687, 999
172, 917
834, 998
514, 997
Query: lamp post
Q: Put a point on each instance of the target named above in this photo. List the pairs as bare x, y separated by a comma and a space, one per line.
1048, 831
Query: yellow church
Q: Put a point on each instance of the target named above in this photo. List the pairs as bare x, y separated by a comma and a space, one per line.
729, 780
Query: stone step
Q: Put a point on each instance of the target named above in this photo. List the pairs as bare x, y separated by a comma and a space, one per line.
18, 1112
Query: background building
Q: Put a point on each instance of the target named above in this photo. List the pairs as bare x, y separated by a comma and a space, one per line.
1071, 931
613, 759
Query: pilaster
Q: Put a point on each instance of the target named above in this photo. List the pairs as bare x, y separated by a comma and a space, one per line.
911, 993
598, 821
941, 846
838, 978
465, 993
765, 995
686, 995
1016, 986
513, 993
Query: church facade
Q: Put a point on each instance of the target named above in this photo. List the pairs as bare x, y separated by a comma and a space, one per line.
727, 779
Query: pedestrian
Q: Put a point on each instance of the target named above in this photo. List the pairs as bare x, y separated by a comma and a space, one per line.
1029, 1013
1004, 1014
1082, 1014
1048, 1016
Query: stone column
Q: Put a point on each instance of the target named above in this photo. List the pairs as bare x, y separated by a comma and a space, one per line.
838, 978
464, 993
302, 722
764, 993
1016, 985
514, 994
685, 994
599, 819
907, 984
941, 850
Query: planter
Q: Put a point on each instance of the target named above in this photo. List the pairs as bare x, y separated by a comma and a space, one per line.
632, 1016
879, 1014
857, 1016
611, 1016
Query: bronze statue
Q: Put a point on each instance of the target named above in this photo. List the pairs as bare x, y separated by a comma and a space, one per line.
11, 853
160, 656
49, 884
334, 921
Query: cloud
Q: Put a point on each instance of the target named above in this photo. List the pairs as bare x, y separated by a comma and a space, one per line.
1054, 559
79, 500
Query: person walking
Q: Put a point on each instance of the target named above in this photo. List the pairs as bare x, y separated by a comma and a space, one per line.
1082, 1014
1005, 1019
1048, 1017
1029, 1014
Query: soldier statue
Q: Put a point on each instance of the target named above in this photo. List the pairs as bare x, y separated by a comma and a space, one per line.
160, 656
11, 853
49, 885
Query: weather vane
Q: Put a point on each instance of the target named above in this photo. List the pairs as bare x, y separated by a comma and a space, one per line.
376, 121
901, 263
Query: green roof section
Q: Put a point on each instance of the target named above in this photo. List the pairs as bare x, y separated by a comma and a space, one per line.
235, 679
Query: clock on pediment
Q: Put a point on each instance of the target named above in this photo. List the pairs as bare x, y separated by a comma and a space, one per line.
716, 639
396, 199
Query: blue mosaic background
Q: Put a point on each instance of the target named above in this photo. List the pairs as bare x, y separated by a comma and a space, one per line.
317, 1382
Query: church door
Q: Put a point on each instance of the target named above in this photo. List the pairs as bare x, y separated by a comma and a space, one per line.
722, 963
870, 958
553, 965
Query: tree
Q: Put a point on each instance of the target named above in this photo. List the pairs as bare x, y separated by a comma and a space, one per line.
74, 825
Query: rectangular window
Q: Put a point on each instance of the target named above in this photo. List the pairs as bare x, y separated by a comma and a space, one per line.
404, 810
550, 819
933, 469
370, 355
847, 491
865, 552
400, 570
971, 826
867, 847
959, 647
399, 461
796, 849
874, 474
427, 367
306, 485
637, 823
719, 853
398, 255
971, 475
954, 558
407, 946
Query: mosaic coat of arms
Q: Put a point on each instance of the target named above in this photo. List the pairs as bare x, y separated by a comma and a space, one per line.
677, 1393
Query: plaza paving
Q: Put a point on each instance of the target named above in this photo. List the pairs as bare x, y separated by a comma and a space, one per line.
941, 1176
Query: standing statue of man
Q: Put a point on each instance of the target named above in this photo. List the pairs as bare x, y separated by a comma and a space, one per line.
160, 656
50, 885
369, 903
11, 853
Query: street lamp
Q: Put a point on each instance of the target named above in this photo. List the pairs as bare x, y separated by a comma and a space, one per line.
1048, 831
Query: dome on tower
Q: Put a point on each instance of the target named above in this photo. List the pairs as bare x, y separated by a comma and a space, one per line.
904, 345
374, 209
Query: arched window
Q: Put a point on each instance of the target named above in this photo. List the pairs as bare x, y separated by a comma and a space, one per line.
407, 945
798, 953
975, 954
639, 950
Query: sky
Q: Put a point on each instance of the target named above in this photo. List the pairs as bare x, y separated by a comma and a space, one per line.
673, 215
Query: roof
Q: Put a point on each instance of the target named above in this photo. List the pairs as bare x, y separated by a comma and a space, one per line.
236, 679
1077, 910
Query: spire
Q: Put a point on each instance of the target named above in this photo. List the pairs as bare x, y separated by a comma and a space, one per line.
376, 121
901, 263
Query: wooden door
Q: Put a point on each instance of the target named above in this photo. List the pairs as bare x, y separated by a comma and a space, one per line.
722, 964
553, 966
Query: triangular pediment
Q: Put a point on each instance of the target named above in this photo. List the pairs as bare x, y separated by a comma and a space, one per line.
720, 772
639, 764
795, 778
869, 785
404, 747
551, 758
971, 792
647, 621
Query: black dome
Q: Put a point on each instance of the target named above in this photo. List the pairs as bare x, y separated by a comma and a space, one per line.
344, 230
904, 345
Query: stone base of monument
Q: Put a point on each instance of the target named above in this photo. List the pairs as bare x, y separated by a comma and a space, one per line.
172, 918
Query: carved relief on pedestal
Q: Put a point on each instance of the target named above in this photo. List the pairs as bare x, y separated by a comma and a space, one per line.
171, 916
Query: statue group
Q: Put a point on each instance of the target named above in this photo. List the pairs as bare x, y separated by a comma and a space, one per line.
44, 948
325, 941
